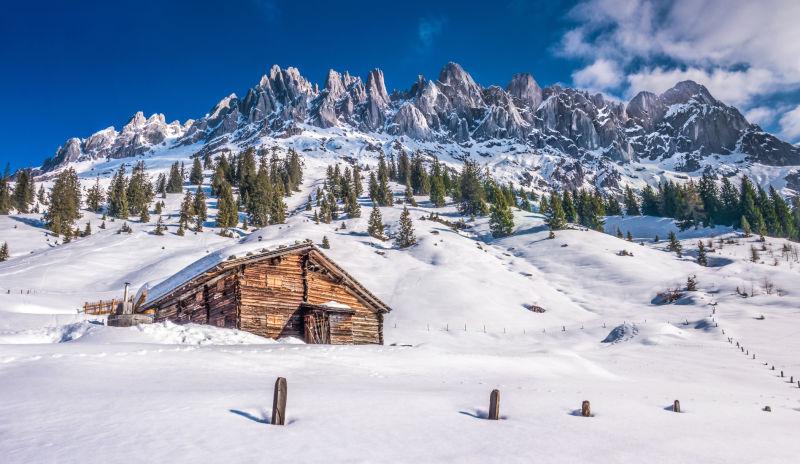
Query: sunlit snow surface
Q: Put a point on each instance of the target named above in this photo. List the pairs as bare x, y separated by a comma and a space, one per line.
78, 391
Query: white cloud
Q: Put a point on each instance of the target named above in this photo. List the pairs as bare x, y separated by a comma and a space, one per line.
739, 49
427, 30
732, 87
790, 124
761, 115
601, 75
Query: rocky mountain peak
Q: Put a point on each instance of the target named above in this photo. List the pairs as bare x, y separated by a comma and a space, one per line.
525, 89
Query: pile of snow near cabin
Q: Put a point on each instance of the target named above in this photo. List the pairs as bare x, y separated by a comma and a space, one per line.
550, 320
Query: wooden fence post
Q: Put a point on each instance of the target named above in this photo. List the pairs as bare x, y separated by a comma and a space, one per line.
676, 406
586, 409
494, 405
279, 402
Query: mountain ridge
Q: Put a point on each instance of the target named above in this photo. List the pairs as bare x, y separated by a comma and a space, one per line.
685, 122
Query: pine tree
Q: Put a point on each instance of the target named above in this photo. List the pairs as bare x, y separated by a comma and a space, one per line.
326, 244
5, 196
650, 202
227, 212
619, 233
23, 193
629, 236
375, 225
674, 245
199, 205
160, 228
65, 200
437, 185
103, 225
783, 213
117, 195
196, 175
405, 235
501, 220
87, 231
139, 192
471, 193
701, 254
525, 203
94, 197
41, 196
181, 232
556, 218
568, 204
544, 206
144, 216
357, 186
631, 203
747, 204
745, 226
351, 207
308, 204
4, 253
316, 217
175, 181
187, 209
409, 196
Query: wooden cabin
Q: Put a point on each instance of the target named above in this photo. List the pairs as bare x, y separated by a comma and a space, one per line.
290, 291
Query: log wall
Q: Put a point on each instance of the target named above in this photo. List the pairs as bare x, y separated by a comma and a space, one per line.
271, 294
366, 325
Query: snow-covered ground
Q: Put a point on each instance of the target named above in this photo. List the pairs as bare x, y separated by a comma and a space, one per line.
77, 391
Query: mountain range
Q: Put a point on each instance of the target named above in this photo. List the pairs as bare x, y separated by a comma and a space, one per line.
587, 137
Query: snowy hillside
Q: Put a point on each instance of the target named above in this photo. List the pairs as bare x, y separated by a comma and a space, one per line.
467, 318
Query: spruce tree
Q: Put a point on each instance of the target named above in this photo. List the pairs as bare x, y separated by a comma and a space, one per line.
4, 253
674, 245
181, 232
87, 231
501, 220
619, 233
352, 208
200, 208
650, 202
144, 216
783, 213
747, 204
701, 254
196, 175
160, 226
65, 202
187, 209
472, 195
94, 197
437, 185
139, 191
41, 196
22, 195
556, 218
745, 226
326, 244
631, 203
629, 236
409, 196
227, 212
375, 225
316, 217
117, 195
308, 203
544, 206
567, 203
525, 203
175, 180
5, 196
358, 187
405, 235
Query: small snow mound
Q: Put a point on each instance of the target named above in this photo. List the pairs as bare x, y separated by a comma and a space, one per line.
621, 333
196, 334
57, 334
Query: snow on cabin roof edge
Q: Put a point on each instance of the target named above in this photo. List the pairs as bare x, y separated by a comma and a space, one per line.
242, 252
213, 259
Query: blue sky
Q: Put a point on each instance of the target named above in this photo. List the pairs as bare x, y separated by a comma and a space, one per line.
72, 68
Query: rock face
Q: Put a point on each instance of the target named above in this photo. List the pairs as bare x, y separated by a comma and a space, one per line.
138, 136
685, 122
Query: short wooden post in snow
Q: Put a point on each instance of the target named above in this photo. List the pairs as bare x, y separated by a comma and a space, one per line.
586, 409
494, 405
279, 402
781, 374
676, 406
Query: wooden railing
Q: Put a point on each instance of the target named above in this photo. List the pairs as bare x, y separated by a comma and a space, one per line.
100, 307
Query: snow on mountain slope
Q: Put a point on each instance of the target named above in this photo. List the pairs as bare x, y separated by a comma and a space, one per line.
461, 325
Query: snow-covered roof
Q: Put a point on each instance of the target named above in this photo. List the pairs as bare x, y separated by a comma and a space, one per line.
245, 252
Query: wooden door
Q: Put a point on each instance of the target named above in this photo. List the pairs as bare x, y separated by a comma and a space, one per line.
317, 328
